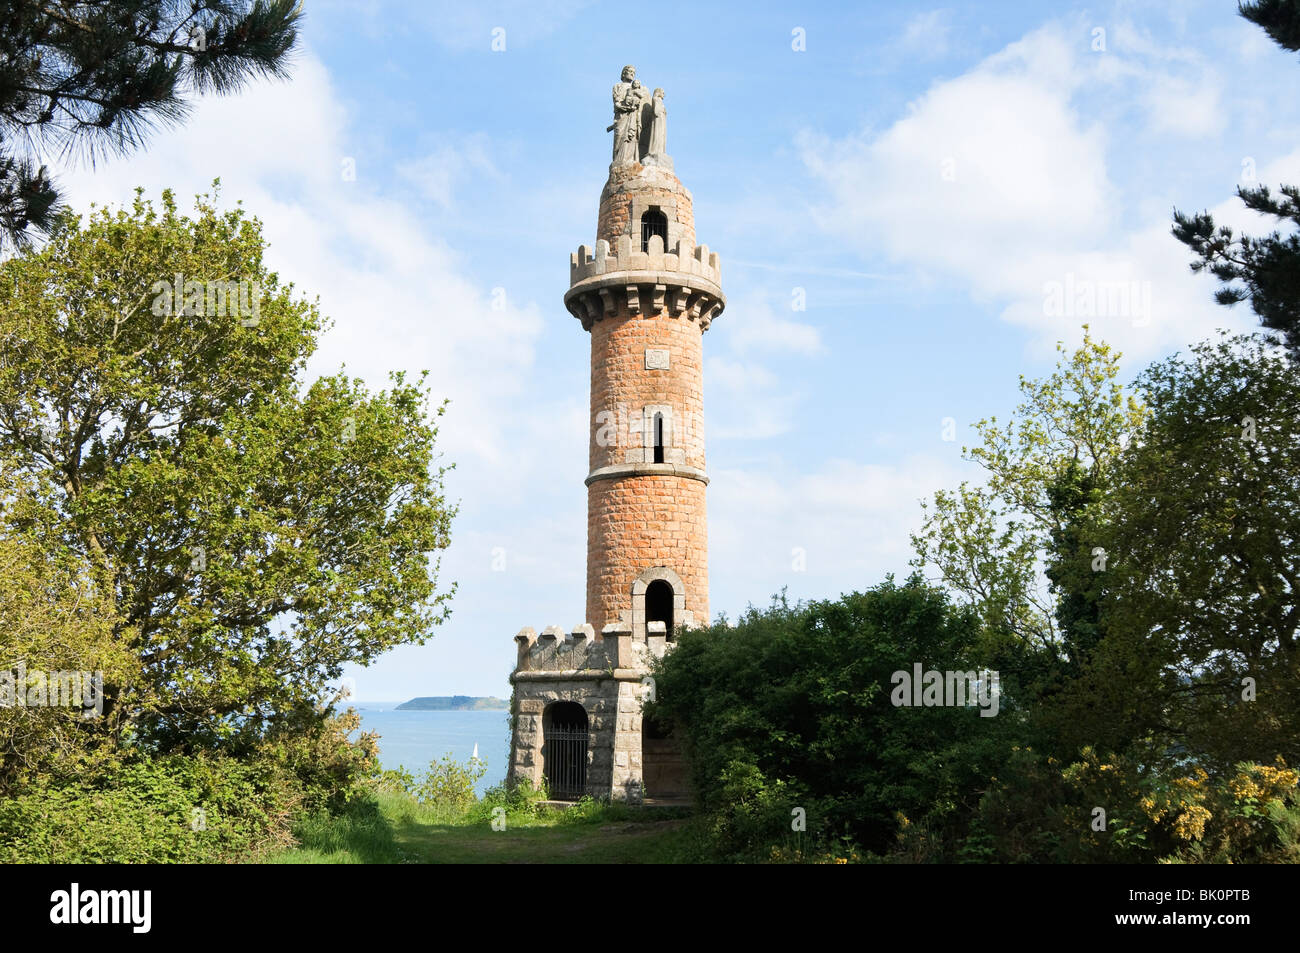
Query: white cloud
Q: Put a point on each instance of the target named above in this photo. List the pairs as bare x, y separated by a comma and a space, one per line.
1177, 87
399, 296
999, 179
751, 325
994, 151
1253, 44
1184, 107
437, 174
754, 404
848, 522
927, 34
746, 399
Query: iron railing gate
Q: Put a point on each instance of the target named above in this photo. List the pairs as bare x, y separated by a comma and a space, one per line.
566, 762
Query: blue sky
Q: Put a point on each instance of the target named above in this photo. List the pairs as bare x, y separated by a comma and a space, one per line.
918, 175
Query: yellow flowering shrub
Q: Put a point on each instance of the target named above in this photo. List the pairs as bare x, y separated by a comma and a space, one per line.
1182, 805
1252, 817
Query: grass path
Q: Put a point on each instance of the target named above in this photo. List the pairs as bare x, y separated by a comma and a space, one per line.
399, 830
626, 842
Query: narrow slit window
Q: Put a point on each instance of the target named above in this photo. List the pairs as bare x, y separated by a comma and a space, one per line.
659, 438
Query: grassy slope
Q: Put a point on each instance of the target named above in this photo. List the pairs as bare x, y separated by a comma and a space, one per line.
399, 830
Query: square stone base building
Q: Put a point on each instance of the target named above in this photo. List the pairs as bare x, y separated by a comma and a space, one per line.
646, 293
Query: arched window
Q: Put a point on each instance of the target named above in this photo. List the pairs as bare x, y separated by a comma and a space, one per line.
653, 222
659, 438
659, 604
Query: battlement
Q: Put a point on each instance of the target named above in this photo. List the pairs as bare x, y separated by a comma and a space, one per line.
684, 282
685, 258
581, 651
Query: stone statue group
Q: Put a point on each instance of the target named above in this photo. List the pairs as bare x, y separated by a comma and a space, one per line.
640, 122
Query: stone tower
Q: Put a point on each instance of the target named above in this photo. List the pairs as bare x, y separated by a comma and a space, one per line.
646, 293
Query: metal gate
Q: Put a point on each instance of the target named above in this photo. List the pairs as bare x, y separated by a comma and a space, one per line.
566, 762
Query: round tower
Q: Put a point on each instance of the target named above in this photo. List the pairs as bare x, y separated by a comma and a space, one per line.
646, 293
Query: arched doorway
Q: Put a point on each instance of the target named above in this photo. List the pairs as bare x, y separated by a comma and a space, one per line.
564, 750
659, 604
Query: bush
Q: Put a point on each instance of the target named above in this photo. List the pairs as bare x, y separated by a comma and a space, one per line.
166, 810
590, 810
1251, 817
448, 783
192, 806
316, 748
1041, 811
791, 709
520, 801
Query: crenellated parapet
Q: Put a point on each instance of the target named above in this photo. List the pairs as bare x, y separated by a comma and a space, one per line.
684, 282
685, 258
581, 653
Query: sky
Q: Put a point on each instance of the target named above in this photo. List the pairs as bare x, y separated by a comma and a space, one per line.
895, 193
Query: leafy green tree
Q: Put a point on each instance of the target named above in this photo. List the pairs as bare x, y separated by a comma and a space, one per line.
1205, 569
57, 614
96, 74
1021, 547
258, 533
1264, 271
1072, 497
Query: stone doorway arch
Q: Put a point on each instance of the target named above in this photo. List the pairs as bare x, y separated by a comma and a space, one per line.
565, 740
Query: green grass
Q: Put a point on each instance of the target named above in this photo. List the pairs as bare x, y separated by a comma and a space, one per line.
394, 828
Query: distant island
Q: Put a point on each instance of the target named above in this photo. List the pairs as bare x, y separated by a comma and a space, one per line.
455, 703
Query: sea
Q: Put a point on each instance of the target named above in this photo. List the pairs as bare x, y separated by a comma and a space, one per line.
412, 739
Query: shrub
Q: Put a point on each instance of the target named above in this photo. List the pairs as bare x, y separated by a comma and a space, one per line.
448, 783
1251, 817
1040, 811
195, 809
316, 748
791, 708
520, 801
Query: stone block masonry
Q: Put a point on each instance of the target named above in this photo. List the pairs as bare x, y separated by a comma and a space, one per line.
622, 386
644, 521
631, 191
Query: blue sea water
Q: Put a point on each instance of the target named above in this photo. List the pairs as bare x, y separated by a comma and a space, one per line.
411, 739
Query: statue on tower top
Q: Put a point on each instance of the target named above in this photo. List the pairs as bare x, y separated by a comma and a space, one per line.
629, 98
640, 123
